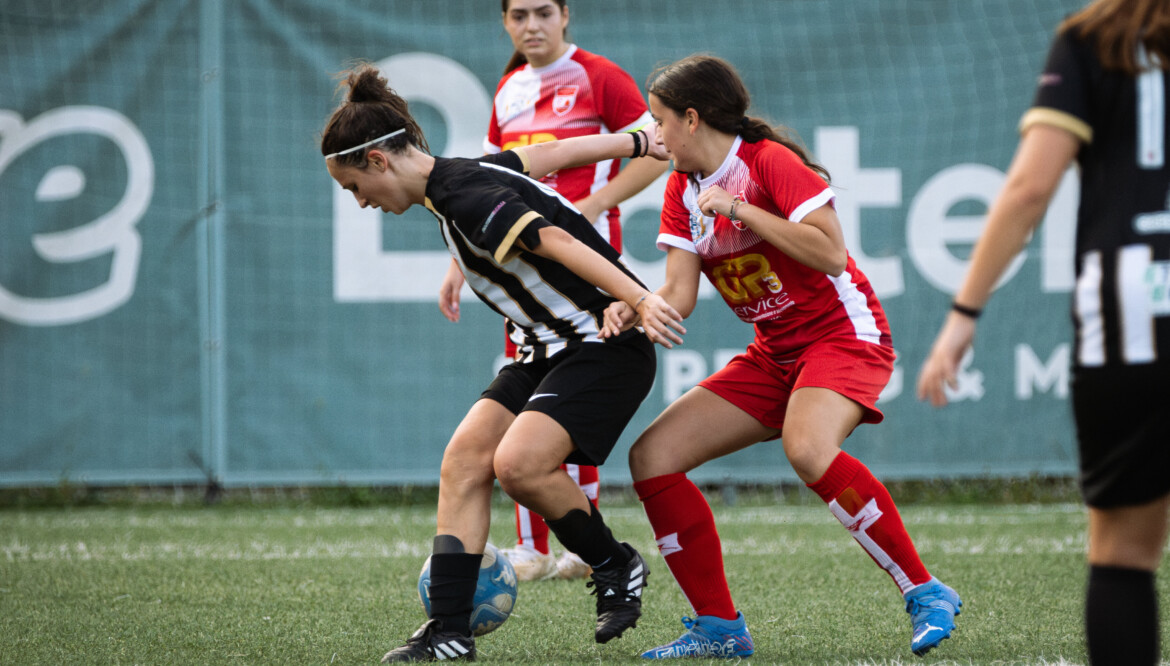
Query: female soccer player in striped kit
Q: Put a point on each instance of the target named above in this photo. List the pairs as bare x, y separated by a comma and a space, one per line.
1101, 101
533, 258
747, 208
552, 89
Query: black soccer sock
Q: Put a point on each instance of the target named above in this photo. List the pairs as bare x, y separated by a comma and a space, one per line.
587, 535
1121, 617
454, 574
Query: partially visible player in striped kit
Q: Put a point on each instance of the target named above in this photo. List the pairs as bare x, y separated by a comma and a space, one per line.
748, 208
531, 257
552, 89
1101, 100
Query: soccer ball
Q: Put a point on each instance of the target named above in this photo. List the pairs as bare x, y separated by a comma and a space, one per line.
495, 592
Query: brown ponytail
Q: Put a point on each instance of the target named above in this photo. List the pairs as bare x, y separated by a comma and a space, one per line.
712, 87
370, 110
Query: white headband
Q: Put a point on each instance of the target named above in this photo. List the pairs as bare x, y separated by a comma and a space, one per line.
368, 143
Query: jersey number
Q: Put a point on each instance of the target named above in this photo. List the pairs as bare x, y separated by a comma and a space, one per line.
1143, 293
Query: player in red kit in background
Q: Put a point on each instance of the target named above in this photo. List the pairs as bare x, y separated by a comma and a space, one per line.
552, 89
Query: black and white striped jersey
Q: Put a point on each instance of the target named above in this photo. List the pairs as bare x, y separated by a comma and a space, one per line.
484, 206
1122, 299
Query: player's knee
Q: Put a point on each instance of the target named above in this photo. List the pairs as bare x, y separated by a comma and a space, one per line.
515, 474
465, 467
648, 460
641, 461
808, 456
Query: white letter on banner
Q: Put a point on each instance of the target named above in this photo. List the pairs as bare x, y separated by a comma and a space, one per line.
838, 149
929, 229
1031, 372
111, 233
684, 369
362, 270
1058, 236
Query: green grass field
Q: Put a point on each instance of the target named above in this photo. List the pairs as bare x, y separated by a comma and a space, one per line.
311, 585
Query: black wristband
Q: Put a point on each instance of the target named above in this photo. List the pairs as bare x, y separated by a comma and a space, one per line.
966, 311
637, 144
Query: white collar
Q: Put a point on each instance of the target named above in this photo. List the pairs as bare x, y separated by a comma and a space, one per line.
558, 62
707, 181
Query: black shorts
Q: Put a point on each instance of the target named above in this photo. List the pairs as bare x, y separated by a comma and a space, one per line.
592, 389
1123, 429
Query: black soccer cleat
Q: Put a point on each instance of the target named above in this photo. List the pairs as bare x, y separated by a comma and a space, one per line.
619, 596
431, 643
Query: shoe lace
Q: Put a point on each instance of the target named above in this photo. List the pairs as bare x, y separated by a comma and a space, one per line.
924, 603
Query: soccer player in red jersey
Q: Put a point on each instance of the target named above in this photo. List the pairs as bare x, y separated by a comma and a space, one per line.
552, 89
748, 208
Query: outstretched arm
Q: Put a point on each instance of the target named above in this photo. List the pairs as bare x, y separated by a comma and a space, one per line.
544, 158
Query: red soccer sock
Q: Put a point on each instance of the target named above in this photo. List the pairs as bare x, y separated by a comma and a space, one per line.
685, 530
531, 529
588, 478
865, 508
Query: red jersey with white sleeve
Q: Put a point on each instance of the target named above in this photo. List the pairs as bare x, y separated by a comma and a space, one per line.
579, 94
790, 304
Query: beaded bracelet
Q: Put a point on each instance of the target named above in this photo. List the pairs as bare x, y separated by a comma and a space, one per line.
734, 203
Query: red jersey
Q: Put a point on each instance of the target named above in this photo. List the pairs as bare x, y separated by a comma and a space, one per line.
790, 304
578, 95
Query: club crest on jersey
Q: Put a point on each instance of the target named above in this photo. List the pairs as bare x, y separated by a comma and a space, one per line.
564, 99
698, 226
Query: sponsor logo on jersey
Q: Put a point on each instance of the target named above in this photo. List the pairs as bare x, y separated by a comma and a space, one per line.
564, 99
489, 217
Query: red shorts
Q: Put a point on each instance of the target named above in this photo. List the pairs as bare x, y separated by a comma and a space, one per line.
760, 384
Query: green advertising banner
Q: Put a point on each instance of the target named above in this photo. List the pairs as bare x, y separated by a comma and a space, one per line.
186, 296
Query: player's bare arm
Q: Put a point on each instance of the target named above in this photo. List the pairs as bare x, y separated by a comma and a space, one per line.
681, 291
662, 323
544, 158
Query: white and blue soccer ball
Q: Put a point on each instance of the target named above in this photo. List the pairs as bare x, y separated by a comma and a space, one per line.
495, 592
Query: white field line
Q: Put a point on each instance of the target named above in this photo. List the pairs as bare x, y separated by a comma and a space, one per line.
16, 551
130, 539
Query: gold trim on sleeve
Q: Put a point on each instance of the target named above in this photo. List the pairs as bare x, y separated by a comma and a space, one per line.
506, 250
1041, 115
524, 161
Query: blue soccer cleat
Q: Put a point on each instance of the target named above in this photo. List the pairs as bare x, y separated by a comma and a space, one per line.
708, 636
932, 607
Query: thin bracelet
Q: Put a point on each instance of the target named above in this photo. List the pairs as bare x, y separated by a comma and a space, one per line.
734, 203
646, 141
640, 301
962, 309
637, 144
